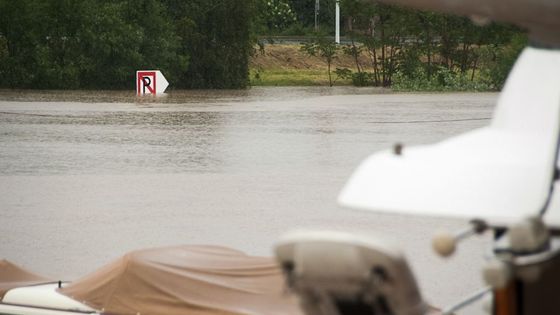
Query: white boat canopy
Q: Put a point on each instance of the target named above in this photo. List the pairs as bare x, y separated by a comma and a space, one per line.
501, 173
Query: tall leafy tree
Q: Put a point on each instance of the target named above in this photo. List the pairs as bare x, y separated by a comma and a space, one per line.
414, 42
215, 33
18, 40
101, 43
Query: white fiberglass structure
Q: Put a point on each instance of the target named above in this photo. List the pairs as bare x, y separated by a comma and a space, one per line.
501, 173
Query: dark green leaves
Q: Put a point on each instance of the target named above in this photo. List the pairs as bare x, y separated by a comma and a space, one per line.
62, 44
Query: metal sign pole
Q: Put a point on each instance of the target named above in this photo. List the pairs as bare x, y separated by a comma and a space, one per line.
337, 21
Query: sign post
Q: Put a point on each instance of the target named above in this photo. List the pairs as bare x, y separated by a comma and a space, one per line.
150, 82
337, 21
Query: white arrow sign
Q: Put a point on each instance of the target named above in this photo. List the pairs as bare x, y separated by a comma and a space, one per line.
150, 82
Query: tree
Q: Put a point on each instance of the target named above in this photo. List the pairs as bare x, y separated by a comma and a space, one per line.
324, 48
101, 43
216, 36
18, 38
416, 44
73, 44
277, 15
304, 10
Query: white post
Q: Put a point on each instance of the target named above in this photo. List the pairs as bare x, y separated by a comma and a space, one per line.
337, 27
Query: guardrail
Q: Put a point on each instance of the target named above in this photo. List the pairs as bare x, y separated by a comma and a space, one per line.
296, 40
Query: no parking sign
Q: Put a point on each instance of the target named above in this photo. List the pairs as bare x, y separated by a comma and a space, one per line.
150, 82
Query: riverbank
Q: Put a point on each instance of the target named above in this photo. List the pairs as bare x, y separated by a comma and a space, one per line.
287, 65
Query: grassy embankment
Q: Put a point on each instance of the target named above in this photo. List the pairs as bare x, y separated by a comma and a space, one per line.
286, 65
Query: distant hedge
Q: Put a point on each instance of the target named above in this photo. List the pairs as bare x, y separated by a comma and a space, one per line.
79, 44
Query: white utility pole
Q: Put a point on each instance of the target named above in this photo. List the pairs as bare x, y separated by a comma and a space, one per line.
337, 27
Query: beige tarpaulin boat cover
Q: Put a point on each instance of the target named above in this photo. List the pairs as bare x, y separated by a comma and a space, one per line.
13, 276
201, 280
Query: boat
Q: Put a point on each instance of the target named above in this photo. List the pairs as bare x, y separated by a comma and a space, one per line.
190, 279
503, 178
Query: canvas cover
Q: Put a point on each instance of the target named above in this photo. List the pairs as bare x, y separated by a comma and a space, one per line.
182, 280
13, 276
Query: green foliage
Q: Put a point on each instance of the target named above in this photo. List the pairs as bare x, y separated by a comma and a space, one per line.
421, 48
385, 32
304, 11
362, 79
84, 44
68, 44
293, 17
354, 51
17, 63
216, 36
278, 14
324, 48
442, 79
408, 49
498, 60
206, 43
343, 73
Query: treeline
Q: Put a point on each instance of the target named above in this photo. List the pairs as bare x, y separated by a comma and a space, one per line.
74, 44
99, 44
406, 49
427, 50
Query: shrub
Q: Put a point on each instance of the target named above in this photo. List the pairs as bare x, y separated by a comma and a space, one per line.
500, 59
442, 80
362, 79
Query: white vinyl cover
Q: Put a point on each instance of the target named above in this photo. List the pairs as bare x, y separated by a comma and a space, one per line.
44, 296
500, 173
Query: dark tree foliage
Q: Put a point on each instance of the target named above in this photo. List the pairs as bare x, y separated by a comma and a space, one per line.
305, 12
215, 34
300, 21
426, 46
69, 44
17, 44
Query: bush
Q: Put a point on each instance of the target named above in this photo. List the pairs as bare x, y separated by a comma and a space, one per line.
362, 79
442, 80
500, 59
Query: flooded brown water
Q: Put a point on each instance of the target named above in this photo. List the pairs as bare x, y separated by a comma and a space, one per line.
88, 176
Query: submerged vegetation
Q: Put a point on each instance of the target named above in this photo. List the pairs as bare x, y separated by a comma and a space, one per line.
99, 44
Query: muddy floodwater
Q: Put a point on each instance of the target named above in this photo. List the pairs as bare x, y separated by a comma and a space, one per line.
88, 176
